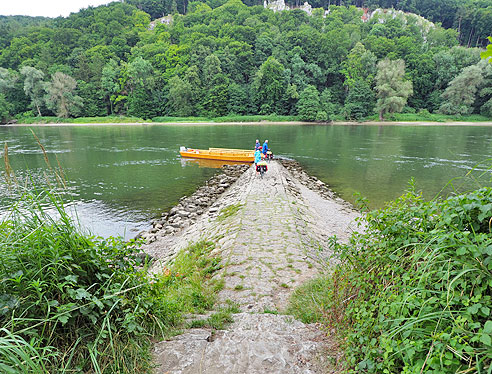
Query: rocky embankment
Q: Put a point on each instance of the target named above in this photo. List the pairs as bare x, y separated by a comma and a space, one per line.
191, 207
272, 235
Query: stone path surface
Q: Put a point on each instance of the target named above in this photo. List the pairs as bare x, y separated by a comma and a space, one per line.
274, 239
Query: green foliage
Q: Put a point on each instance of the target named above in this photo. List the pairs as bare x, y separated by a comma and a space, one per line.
5, 109
413, 292
109, 119
359, 65
392, 90
270, 85
60, 95
34, 86
73, 302
309, 104
227, 57
228, 211
487, 54
180, 97
360, 101
460, 94
424, 115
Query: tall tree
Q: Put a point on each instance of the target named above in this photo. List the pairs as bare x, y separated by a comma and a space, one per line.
360, 101
109, 82
179, 97
34, 86
270, 85
458, 98
5, 108
142, 83
7, 82
360, 64
391, 87
308, 105
61, 96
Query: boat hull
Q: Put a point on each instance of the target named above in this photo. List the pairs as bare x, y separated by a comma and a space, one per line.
232, 155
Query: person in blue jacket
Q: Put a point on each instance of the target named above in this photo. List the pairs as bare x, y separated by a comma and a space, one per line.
257, 158
257, 145
265, 147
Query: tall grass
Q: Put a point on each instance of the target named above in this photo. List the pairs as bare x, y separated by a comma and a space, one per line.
70, 302
413, 294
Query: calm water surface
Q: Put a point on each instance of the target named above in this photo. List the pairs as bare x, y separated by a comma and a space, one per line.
120, 177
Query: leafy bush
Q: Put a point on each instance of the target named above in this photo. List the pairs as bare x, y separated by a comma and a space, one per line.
84, 303
228, 118
412, 294
80, 120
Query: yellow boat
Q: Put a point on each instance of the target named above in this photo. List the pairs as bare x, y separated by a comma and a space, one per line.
223, 154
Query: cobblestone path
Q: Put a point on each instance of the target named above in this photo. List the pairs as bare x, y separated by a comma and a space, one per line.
271, 243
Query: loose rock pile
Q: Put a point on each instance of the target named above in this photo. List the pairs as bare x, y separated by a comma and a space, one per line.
191, 207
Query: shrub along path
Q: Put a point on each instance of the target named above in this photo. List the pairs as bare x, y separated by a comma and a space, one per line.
271, 233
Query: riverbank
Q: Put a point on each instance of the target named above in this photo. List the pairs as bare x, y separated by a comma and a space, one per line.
262, 123
403, 119
272, 234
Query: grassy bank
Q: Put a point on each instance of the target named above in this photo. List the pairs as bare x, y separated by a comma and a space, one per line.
430, 117
413, 294
232, 118
74, 303
398, 117
108, 119
122, 119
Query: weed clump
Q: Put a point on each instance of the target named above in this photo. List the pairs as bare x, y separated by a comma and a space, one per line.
413, 293
228, 211
72, 302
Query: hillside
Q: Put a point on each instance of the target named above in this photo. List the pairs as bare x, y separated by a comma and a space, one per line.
235, 59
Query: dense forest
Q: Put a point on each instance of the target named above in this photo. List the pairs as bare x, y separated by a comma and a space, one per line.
221, 58
472, 18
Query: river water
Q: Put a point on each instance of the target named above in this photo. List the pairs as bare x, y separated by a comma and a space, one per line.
122, 176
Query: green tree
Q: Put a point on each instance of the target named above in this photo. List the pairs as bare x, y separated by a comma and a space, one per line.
289, 100
141, 81
192, 77
7, 83
360, 64
61, 96
327, 104
110, 83
7, 80
270, 85
391, 87
309, 104
217, 96
5, 109
360, 101
179, 97
238, 99
458, 98
34, 86
484, 99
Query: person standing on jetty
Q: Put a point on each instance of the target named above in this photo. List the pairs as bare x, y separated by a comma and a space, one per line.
257, 158
257, 145
265, 147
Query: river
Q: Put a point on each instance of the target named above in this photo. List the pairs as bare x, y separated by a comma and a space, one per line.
122, 176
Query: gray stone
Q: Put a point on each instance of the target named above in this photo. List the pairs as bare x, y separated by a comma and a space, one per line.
254, 344
183, 213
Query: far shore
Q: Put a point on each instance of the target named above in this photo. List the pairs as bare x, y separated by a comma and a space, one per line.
261, 123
